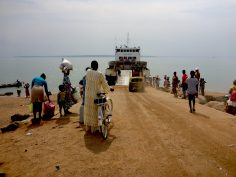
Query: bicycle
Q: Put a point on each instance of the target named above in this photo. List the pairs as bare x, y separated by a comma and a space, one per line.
105, 107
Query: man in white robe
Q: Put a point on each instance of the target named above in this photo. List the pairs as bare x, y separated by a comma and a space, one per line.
95, 83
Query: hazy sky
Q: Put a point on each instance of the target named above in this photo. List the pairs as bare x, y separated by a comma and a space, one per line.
78, 27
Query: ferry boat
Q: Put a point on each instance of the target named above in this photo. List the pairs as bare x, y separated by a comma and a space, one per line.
125, 57
127, 64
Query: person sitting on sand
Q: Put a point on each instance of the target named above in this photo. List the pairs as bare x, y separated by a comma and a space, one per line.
192, 83
37, 95
61, 99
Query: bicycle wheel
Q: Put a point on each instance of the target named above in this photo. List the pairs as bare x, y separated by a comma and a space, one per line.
104, 130
107, 113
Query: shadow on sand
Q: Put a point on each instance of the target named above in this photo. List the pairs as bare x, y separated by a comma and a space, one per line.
33, 126
59, 121
95, 143
201, 115
62, 120
65, 119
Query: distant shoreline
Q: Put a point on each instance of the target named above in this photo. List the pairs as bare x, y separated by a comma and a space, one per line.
107, 55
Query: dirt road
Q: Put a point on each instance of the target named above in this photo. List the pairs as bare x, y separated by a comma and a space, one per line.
152, 134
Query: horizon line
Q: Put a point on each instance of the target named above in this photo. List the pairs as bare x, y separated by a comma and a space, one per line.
104, 55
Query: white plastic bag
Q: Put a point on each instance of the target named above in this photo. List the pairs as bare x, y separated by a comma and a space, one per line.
66, 65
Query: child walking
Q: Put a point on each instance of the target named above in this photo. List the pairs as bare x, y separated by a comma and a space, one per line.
61, 99
27, 93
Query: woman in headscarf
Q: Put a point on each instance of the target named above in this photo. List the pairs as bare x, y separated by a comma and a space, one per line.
68, 89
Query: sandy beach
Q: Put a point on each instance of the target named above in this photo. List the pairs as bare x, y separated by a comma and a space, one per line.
152, 134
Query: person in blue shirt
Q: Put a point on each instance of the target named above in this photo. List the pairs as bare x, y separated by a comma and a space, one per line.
38, 86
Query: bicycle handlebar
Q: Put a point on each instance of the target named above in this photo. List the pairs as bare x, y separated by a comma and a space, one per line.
99, 94
103, 93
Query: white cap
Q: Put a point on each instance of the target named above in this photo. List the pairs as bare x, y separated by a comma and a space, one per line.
196, 68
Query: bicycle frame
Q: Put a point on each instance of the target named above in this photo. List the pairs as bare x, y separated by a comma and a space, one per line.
105, 107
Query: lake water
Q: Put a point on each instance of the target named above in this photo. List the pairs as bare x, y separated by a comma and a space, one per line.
219, 72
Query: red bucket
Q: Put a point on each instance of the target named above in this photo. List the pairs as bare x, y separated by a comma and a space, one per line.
48, 109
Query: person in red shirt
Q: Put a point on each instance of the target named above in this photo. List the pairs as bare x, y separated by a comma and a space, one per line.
184, 84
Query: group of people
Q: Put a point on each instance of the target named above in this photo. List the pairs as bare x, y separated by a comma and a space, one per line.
200, 87
93, 82
26, 87
176, 83
194, 85
191, 86
64, 96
